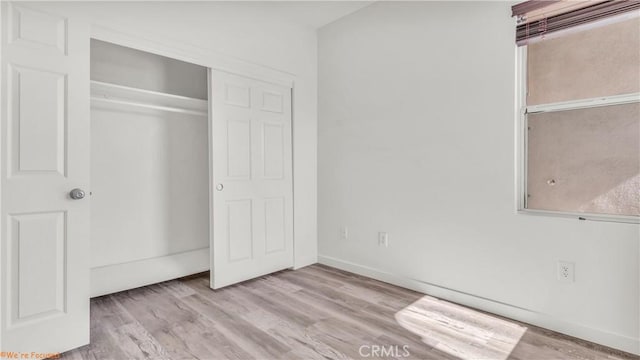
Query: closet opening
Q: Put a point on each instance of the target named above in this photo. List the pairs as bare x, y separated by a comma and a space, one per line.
149, 168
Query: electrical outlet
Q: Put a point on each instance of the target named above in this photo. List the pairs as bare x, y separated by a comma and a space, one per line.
344, 233
383, 239
566, 271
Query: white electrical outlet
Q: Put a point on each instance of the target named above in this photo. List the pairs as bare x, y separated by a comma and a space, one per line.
566, 271
344, 233
383, 239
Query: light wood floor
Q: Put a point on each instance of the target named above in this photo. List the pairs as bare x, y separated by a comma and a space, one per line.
313, 313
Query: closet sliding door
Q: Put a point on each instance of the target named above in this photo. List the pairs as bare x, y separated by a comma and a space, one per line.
252, 177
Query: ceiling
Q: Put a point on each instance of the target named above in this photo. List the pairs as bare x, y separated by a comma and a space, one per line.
314, 14
310, 13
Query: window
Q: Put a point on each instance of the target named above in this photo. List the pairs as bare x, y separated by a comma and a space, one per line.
580, 117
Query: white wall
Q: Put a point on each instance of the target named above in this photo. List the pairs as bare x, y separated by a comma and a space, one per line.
142, 70
416, 138
244, 32
149, 179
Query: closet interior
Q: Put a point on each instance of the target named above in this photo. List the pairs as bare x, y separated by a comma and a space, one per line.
149, 168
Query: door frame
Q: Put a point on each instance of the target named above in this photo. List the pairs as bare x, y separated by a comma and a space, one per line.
193, 54
211, 60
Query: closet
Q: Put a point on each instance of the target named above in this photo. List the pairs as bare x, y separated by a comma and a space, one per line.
149, 168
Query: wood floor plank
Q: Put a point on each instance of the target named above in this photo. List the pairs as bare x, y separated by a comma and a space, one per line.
252, 339
317, 312
154, 309
370, 315
105, 316
343, 337
366, 321
280, 304
177, 288
304, 345
136, 342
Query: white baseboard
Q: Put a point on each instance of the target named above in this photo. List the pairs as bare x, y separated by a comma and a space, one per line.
616, 341
118, 277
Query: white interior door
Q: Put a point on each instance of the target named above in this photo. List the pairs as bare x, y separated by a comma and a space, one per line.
45, 154
252, 179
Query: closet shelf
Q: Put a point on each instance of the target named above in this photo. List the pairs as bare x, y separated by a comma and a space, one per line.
102, 92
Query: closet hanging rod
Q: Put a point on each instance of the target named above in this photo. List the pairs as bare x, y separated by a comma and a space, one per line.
128, 96
148, 106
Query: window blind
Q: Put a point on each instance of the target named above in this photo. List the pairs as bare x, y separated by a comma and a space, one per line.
537, 18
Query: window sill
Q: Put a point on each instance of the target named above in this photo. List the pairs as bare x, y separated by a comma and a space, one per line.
627, 219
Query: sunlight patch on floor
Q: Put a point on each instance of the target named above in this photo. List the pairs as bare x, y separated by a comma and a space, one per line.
459, 331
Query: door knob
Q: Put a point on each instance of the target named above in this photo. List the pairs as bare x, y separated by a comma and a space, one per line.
219, 187
77, 194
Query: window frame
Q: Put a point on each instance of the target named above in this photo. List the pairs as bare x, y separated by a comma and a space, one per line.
521, 132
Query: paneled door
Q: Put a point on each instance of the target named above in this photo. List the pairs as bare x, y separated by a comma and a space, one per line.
44, 147
252, 193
